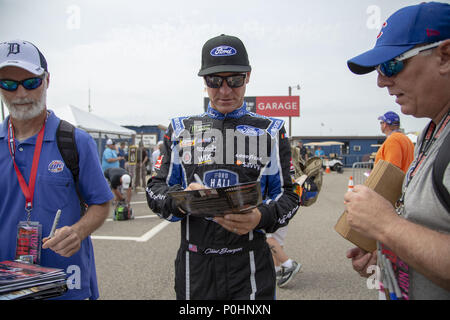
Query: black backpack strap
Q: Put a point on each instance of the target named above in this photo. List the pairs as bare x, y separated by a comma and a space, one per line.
65, 138
439, 166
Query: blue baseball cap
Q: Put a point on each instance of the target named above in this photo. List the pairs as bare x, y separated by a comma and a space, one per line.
390, 117
427, 22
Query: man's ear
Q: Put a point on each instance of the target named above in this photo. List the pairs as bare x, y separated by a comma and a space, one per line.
247, 79
48, 80
443, 51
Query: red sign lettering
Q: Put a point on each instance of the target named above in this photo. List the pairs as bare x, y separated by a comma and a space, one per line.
279, 106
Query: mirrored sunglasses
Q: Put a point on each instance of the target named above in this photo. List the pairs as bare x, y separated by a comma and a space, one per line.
392, 67
29, 84
233, 81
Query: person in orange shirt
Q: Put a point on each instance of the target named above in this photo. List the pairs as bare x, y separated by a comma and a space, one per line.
397, 148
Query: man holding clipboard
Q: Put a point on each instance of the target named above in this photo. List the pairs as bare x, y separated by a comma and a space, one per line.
225, 256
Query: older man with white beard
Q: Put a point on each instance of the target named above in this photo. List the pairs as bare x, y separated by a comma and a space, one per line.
37, 183
16, 106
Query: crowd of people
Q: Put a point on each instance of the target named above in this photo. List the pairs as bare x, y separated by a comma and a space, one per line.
124, 174
230, 256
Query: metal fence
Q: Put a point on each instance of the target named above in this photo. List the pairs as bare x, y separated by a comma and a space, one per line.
360, 171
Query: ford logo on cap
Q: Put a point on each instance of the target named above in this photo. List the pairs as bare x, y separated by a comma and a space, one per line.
223, 51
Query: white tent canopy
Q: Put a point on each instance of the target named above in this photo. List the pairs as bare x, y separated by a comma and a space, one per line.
91, 123
96, 126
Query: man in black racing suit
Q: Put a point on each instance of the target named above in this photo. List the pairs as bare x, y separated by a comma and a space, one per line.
225, 257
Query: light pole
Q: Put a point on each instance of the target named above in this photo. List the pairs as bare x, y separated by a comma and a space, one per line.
290, 118
89, 100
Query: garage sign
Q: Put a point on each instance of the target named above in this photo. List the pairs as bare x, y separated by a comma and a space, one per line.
270, 106
278, 106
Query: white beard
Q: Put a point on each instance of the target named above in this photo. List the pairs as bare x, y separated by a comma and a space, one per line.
23, 113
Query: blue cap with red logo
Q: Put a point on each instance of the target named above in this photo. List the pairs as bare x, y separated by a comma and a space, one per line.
427, 22
390, 117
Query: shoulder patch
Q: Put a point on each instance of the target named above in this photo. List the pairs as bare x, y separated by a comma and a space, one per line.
275, 126
178, 126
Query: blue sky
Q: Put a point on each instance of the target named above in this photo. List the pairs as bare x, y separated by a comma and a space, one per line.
140, 58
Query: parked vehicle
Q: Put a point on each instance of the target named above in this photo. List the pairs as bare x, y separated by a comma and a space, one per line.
333, 160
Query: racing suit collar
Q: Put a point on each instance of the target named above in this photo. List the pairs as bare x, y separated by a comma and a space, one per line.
213, 113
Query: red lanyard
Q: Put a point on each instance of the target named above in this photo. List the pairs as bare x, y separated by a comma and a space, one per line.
28, 190
430, 137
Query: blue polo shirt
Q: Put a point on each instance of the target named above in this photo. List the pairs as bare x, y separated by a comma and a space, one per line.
55, 189
108, 154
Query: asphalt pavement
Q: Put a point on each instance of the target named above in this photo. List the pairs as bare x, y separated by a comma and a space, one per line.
135, 258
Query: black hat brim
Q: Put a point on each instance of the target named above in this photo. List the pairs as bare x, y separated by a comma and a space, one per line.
224, 68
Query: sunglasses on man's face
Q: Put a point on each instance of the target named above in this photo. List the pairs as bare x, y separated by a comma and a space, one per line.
233, 81
392, 67
29, 84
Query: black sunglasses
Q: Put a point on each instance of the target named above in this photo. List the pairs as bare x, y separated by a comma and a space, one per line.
29, 84
233, 81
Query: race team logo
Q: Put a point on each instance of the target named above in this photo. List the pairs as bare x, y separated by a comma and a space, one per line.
250, 131
220, 178
249, 161
159, 162
208, 148
205, 158
187, 157
223, 51
56, 166
187, 143
202, 127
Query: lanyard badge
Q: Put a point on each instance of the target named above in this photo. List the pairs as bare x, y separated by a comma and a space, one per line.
29, 233
29, 241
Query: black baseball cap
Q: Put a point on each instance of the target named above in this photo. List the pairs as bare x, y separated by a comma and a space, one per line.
224, 54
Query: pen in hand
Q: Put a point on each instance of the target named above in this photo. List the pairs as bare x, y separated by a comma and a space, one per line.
55, 223
198, 180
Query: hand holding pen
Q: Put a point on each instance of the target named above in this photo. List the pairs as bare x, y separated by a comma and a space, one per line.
64, 241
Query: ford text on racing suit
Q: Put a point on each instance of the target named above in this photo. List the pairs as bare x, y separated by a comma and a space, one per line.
224, 150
